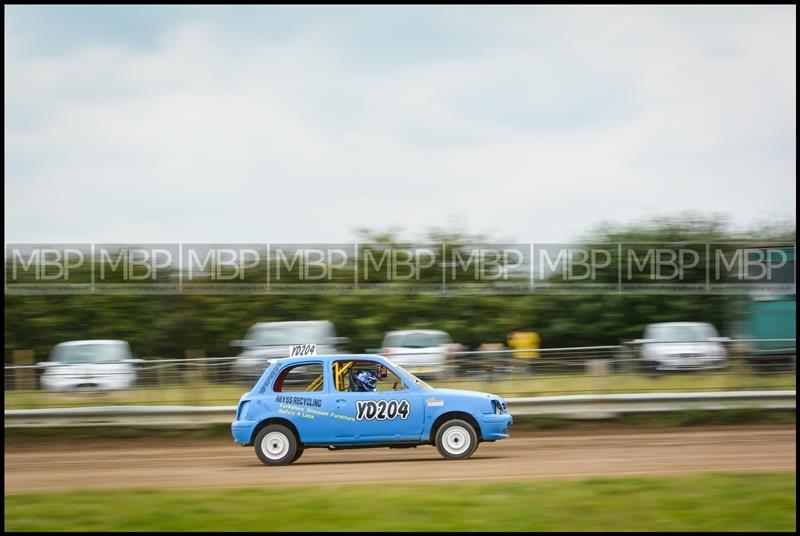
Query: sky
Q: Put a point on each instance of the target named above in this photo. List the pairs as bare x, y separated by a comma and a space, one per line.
302, 124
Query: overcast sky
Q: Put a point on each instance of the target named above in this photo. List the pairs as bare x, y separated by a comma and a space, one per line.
279, 124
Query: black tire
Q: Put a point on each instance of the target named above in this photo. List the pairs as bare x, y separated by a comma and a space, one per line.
456, 440
299, 453
276, 445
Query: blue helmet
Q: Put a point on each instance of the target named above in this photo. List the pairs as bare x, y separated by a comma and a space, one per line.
366, 381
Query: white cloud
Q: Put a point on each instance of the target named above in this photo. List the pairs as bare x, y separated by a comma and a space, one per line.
572, 116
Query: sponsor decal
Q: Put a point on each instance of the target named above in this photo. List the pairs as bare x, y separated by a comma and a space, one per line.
268, 382
299, 401
382, 410
432, 402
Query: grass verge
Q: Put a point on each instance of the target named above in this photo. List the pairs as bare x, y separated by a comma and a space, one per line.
713, 502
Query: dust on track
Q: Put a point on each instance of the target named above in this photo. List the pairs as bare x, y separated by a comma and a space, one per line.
212, 463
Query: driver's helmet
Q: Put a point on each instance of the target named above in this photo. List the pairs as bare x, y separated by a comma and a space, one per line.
366, 381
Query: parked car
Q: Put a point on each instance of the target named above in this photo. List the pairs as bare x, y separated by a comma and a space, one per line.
268, 340
673, 346
95, 364
356, 401
422, 351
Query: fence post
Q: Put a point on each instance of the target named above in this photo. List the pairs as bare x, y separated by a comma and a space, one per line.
598, 369
25, 379
194, 375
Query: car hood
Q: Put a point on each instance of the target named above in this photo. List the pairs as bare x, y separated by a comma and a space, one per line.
458, 393
85, 368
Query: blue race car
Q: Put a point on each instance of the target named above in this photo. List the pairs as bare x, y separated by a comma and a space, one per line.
352, 401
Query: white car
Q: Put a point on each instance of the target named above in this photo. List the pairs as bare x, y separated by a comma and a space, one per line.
270, 340
97, 364
673, 346
422, 352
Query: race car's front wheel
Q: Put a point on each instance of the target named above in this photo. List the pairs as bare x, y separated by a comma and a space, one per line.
276, 445
456, 440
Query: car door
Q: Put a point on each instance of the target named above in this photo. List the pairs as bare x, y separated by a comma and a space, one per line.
383, 415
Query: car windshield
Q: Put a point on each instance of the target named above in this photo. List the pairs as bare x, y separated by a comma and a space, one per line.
442, 338
421, 384
687, 333
283, 335
91, 353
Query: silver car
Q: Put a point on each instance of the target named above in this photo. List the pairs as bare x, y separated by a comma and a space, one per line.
90, 365
673, 346
423, 352
270, 340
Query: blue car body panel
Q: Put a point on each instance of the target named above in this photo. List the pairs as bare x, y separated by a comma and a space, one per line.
341, 418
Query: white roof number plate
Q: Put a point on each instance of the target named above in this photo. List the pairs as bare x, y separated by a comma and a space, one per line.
300, 350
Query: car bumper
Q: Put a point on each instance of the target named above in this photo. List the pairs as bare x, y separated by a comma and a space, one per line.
692, 365
495, 427
242, 431
76, 383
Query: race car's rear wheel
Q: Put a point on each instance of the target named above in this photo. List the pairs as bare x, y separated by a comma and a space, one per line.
276, 445
456, 440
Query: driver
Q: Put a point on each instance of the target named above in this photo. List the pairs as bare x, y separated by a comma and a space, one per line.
366, 381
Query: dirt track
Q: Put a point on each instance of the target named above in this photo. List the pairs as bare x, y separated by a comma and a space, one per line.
106, 464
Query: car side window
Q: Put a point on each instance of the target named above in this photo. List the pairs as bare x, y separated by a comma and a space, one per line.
297, 378
365, 376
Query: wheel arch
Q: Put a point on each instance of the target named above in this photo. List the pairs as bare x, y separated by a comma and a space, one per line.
275, 420
444, 417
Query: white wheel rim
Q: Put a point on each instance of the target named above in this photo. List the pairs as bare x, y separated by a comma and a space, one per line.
275, 445
456, 440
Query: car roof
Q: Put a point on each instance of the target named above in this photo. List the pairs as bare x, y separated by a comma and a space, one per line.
407, 331
678, 324
292, 323
93, 341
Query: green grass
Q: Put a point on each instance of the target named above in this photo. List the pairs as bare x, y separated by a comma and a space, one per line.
546, 384
713, 502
